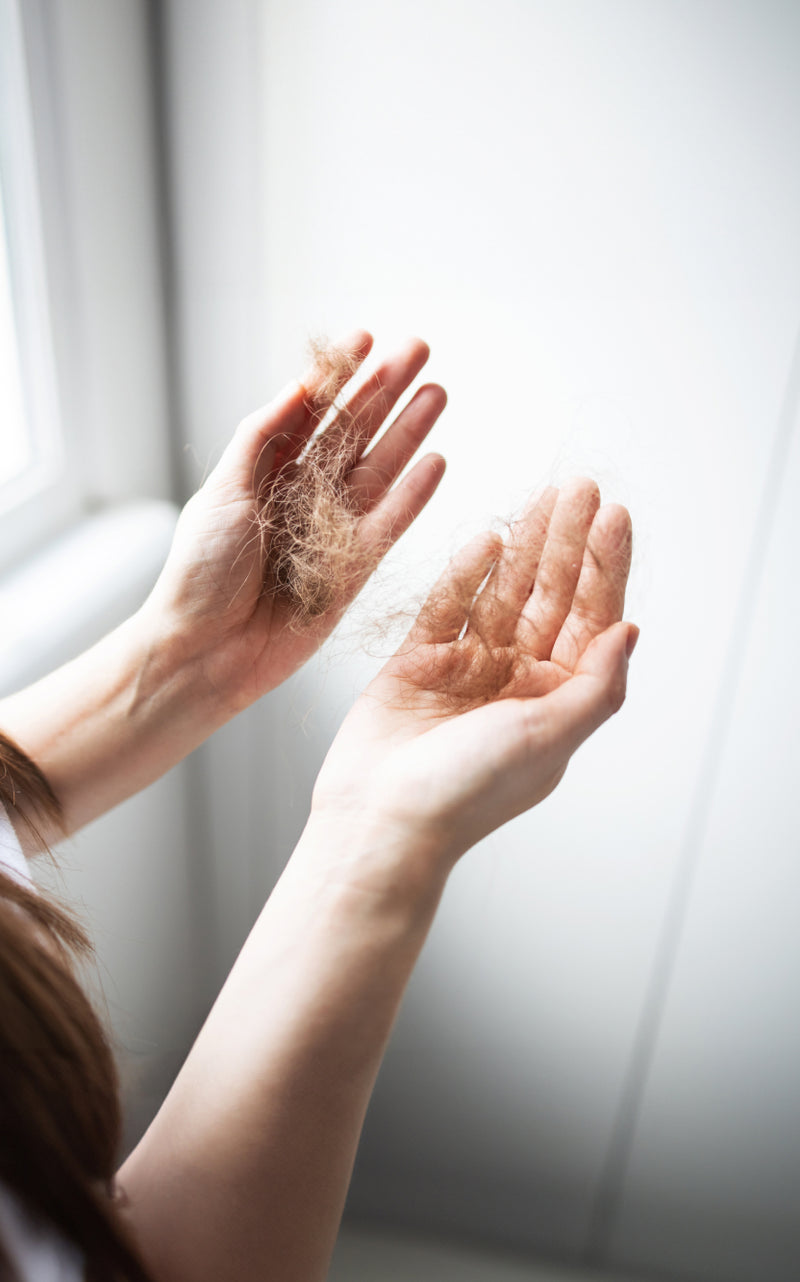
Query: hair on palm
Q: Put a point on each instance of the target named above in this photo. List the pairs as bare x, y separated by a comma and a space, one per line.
478, 637
309, 524
310, 518
315, 558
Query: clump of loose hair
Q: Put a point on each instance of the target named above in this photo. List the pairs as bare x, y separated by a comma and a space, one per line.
310, 516
315, 559
474, 669
310, 520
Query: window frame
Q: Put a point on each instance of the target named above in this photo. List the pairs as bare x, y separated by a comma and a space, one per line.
86, 78
48, 495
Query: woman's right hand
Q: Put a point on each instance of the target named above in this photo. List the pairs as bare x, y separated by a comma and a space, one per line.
518, 655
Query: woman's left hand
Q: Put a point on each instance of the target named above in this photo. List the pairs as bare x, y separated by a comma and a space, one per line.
212, 599
519, 655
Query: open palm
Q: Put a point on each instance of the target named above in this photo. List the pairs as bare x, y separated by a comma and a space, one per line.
214, 590
475, 718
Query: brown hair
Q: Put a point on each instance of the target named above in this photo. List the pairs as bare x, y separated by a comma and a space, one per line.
309, 520
60, 1117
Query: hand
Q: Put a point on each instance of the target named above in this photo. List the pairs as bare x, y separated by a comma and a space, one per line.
475, 718
244, 1171
214, 598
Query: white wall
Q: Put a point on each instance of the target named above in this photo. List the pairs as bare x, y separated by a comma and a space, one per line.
590, 210
211, 61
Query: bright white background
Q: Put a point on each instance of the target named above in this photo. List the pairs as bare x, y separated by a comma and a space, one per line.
589, 209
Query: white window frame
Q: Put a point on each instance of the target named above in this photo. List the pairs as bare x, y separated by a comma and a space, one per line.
89, 266
47, 496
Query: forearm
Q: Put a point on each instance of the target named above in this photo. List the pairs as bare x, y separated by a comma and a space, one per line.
114, 719
244, 1172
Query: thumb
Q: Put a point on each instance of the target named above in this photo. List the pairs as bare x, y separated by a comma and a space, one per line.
281, 424
596, 691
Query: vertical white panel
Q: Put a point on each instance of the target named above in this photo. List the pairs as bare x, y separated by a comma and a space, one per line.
93, 90
590, 210
211, 94
210, 64
713, 1188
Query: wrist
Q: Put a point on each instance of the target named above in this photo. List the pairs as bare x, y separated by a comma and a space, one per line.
374, 854
135, 705
172, 670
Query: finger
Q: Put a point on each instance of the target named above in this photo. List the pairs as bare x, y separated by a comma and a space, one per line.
276, 433
559, 567
284, 415
592, 695
496, 612
447, 608
600, 595
372, 477
333, 366
391, 517
363, 414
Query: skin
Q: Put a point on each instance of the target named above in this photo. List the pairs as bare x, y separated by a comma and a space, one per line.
545, 634
208, 641
261, 1126
518, 656
212, 583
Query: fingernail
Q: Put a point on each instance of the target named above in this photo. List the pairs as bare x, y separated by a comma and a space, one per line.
633, 637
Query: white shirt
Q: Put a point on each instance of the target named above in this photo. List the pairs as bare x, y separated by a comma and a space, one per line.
38, 1252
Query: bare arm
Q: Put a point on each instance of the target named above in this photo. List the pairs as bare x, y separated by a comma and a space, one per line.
244, 1172
215, 633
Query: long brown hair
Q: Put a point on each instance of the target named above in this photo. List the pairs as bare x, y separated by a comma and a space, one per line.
60, 1120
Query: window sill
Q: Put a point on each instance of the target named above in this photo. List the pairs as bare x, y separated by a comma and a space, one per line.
80, 586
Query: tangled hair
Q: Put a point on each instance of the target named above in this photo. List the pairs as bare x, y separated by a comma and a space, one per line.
310, 517
481, 642
316, 558
60, 1121
474, 669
